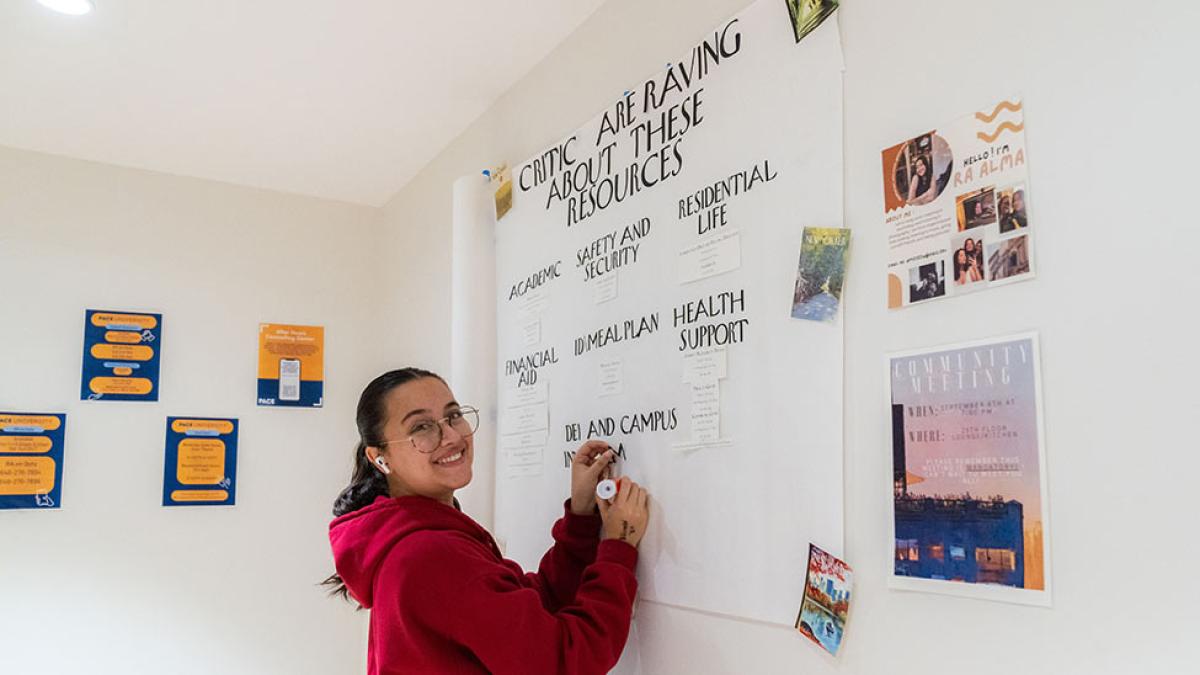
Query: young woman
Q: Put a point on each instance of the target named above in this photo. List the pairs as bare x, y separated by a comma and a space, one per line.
442, 598
920, 181
965, 269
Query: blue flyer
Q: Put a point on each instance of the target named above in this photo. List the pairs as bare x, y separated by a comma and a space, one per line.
31, 460
200, 468
121, 353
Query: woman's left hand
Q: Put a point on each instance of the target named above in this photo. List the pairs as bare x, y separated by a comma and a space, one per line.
588, 467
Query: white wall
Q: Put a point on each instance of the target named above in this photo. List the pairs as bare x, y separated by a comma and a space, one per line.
113, 583
1110, 100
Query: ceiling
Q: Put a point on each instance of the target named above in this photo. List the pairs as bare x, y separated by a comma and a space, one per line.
343, 100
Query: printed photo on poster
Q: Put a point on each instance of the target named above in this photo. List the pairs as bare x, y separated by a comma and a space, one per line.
806, 15
976, 208
826, 604
821, 273
121, 353
1008, 258
291, 365
200, 465
31, 460
926, 282
967, 178
1013, 215
969, 482
967, 261
920, 171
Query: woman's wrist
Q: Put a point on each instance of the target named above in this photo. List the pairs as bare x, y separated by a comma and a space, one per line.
587, 510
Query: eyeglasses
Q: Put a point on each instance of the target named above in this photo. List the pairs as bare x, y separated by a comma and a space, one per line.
427, 434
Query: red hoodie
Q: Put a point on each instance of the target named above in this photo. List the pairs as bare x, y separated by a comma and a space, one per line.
443, 599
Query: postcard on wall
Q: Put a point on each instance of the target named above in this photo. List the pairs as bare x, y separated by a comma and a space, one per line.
503, 190
969, 473
121, 353
826, 603
821, 273
200, 468
806, 15
291, 365
31, 460
956, 208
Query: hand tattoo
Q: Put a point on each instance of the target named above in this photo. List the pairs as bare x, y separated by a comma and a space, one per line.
626, 530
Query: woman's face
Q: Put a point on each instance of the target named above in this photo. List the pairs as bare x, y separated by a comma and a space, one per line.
1005, 205
921, 168
961, 257
436, 474
969, 246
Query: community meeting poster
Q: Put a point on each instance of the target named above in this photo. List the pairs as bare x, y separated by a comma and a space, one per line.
31, 460
200, 466
121, 355
969, 473
956, 208
291, 365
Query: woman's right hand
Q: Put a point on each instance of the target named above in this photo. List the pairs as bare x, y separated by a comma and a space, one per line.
625, 516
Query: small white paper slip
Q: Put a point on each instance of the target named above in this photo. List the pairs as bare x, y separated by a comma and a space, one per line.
523, 471
692, 446
525, 418
611, 378
528, 394
710, 257
531, 333
706, 411
705, 364
533, 305
523, 451
706, 428
606, 288
524, 456
529, 439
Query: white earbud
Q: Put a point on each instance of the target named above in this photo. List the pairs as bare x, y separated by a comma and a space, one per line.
382, 464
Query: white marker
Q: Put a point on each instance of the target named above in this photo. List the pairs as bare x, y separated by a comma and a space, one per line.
606, 489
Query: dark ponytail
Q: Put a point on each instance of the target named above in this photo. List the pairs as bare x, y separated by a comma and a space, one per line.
367, 483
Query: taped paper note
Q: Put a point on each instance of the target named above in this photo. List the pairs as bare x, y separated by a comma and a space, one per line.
705, 364
533, 305
531, 333
706, 411
526, 418
528, 394
611, 379
606, 288
710, 257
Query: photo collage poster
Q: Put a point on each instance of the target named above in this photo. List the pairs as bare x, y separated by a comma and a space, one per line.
956, 208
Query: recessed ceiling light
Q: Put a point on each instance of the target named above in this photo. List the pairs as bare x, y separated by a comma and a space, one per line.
72, 7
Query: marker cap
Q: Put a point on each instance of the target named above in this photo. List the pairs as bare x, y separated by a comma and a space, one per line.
606, 489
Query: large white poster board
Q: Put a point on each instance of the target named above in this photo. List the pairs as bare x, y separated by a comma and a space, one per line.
645, 278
